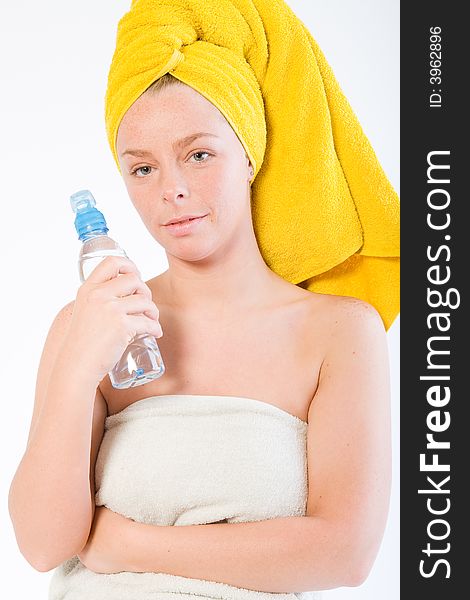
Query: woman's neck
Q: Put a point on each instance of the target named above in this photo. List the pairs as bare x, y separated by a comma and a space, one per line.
216, 288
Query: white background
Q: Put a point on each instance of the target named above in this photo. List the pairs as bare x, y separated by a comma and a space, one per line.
54, 61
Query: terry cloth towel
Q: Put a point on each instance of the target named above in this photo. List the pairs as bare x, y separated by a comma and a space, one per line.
324, 213
186, 460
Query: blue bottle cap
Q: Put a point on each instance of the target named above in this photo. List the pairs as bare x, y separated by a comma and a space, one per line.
88, 217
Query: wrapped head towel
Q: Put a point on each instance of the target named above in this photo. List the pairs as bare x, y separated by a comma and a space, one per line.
324, 214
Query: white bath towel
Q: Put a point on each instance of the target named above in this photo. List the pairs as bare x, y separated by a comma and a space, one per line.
188, 460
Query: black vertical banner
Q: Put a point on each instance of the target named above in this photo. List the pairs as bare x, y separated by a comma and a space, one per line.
435, 324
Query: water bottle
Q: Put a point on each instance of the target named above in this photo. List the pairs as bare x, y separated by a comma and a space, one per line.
141, 361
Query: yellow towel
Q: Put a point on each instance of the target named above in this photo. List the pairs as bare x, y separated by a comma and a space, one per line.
325, 216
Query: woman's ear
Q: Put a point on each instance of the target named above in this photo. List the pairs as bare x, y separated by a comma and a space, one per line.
251, 172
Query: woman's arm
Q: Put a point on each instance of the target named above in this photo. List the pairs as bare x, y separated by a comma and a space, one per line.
348, 445
51, 497
288, 554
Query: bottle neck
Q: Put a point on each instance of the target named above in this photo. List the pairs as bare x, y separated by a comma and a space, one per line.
88, 235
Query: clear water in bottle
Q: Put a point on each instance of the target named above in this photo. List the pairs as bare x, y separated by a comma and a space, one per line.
141, 362
92, 254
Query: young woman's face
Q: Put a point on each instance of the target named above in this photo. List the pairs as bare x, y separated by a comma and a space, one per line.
170, 173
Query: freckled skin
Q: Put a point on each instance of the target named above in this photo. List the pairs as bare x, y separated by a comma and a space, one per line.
174, 182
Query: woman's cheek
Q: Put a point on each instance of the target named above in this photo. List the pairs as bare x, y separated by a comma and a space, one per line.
140, 201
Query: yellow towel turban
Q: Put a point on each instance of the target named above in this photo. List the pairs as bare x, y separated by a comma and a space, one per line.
325, 216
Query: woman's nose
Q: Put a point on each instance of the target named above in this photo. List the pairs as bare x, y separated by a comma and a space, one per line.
174, 186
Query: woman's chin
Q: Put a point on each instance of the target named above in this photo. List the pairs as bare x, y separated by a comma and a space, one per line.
193, 252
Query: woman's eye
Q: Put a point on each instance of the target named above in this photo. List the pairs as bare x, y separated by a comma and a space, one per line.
145, 170
200, 154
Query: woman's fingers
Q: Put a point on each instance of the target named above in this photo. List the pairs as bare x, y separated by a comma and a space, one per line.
142, 325
112, 306
110, 267
137, 304
125, 285
115, 276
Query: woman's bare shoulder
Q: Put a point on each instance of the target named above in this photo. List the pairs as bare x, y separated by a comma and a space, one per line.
65, 313
344, 314
344, 306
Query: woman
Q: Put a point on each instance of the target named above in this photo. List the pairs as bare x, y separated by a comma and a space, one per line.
230, 322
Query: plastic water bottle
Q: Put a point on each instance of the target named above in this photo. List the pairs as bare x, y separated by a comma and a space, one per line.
141, 361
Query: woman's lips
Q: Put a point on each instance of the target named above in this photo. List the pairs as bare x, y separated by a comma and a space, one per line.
184, 227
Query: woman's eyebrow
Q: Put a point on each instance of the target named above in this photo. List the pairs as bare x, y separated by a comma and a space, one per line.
181, 143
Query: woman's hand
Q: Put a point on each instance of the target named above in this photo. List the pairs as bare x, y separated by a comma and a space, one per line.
108, 543
111, 307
